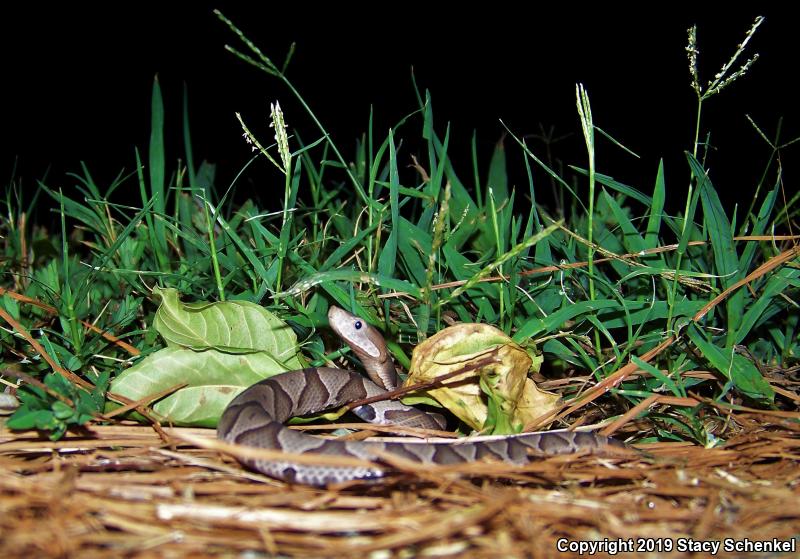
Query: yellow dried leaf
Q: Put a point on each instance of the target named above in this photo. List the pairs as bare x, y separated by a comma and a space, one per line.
497, 396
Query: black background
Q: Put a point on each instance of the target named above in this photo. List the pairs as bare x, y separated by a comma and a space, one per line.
78, 77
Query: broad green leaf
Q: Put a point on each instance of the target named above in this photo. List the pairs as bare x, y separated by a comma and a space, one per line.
217, 349
230, 326
213, 379
197, 406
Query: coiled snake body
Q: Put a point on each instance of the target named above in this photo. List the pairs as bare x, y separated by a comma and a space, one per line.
256, 418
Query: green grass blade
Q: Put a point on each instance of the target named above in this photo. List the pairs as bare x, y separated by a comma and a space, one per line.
741, 371
668, 382
759, 227
388, 256
605, 180
656, 209
631, 240
726, 260
157, 166
497, 183
766, 301
187, 140
353, 276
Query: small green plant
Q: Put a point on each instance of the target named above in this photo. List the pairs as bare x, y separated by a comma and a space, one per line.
57, 404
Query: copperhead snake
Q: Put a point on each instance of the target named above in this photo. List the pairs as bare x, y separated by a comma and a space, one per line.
256, 418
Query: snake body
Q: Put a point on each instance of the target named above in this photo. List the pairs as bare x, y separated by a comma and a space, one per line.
256, 418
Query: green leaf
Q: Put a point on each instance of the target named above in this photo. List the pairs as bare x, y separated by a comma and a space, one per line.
217, 349
668, 382
59, 384
157, 170
759, 226
688, 219
388, 257
353, 276
741, 371
101, 385
61, 410
463, 269
776, 284
726, 261
498, 183
412, 243
654, 218
554, 321
230, 326
213, 379
605, 180
346, 247
25, 418
631, 239
199, 406
434, 185
640, 312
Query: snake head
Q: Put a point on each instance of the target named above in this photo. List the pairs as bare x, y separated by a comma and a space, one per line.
367, 343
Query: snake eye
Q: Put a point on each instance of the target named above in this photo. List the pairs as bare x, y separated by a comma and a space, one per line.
358, 325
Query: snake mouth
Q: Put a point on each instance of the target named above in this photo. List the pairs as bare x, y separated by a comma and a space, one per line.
336, 315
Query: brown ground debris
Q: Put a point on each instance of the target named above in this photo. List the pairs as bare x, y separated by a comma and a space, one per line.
122, 491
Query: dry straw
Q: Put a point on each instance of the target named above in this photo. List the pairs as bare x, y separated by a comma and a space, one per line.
123, 491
